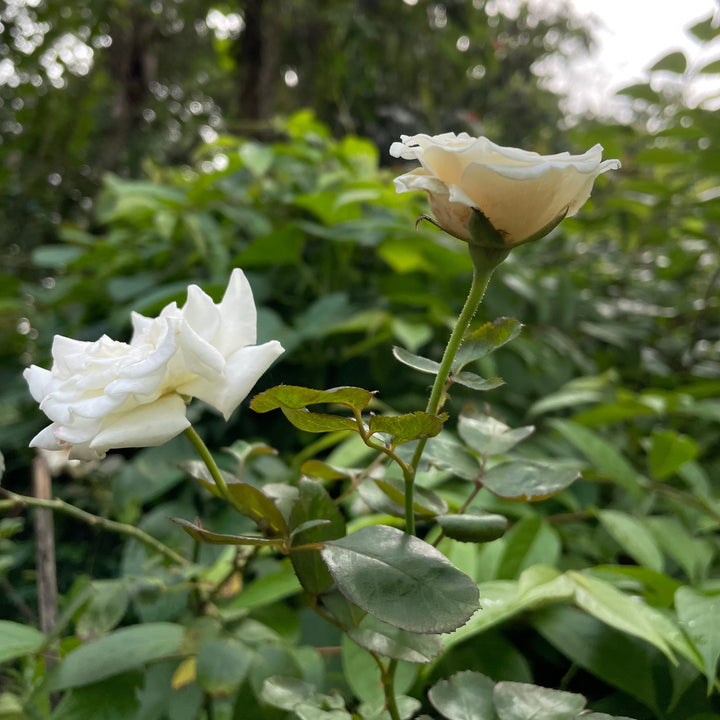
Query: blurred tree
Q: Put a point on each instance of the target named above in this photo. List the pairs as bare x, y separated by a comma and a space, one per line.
90, 87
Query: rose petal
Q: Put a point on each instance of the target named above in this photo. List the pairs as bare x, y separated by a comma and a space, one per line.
47, 439
238, 316
200, 313
144, 426
520, 192
243, 370
39, 381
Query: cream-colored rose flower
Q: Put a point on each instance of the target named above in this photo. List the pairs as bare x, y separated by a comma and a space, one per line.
108, 394
521, 193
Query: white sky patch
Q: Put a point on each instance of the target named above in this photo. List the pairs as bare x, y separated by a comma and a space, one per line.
631, 36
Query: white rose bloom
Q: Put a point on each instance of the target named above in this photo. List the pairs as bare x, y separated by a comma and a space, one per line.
108, 394
521, 193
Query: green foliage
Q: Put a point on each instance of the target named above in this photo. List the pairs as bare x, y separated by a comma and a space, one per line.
19, 640
617, 368
379, 567
123, 650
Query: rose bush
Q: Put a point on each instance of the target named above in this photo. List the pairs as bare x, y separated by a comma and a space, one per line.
109, 394
522, 194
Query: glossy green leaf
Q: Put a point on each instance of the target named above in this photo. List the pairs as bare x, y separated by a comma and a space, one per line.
603, 455
323, 471
674, 62
198, 470
406, 706
411, 426
295, 398
379, 500
668, 452
503, 599
302, 698
465, 695
623, 661
447, 453
569, 397
114, 698
416, 362
308, 525
18, 640
107, 606
389, 641
476, 382
251, 501
342, 609
259, 508
363, 675
633, 537
202, 535
243, 451
286, 692
522, 701
523, 481
618, 610
699, 616
485, 340
123, 650
318, 422
473, 528
529, 542
694, 555
401, 580
221, 666
657, 588
488, 436
314, 503
267, 589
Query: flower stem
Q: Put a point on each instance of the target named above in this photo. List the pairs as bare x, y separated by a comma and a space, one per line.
485, 260
207, 458
387, 678
14, 500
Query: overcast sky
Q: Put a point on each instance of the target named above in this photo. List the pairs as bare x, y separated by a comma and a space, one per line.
632, 34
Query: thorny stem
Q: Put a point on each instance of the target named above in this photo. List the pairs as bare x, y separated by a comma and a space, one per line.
484, 263
387, 672
367, 439
14, 500
205, 455
387, 676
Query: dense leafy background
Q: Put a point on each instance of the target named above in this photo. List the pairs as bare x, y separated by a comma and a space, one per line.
175, 156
